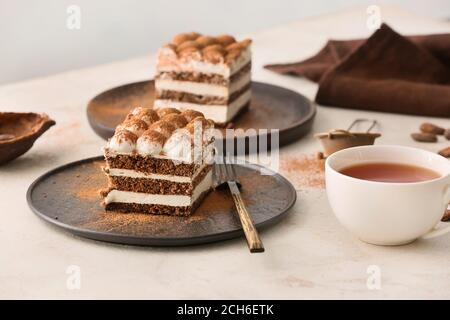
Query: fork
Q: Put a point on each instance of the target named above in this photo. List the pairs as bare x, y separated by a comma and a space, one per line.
227, 173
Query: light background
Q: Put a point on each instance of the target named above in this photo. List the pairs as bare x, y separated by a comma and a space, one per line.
34, 39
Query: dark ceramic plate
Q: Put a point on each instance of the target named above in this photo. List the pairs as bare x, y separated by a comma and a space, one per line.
271, 107
68, 197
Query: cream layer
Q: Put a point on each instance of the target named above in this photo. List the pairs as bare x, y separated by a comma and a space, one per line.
169, 64
219, 113
202, 88
207, 153
115, 172
161, 199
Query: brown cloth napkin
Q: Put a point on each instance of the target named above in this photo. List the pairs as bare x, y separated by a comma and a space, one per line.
386, 72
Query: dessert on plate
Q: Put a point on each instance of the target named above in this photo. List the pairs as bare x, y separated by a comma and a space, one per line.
204, 73
159, 162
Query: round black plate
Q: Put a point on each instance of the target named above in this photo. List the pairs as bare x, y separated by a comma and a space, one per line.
68, 197
271, 107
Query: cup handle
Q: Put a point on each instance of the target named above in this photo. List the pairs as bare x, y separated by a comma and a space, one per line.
436, 232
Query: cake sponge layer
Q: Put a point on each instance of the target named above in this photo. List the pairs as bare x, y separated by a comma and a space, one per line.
176, 204
156, 208
158, 186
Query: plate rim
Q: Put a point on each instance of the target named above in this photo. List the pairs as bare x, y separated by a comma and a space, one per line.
148, 241
285, 131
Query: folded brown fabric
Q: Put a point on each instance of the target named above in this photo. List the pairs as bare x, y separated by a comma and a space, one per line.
386, 72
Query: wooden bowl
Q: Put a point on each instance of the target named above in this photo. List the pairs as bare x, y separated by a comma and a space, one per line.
19, 131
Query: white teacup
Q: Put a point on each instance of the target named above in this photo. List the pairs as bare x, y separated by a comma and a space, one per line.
387, 213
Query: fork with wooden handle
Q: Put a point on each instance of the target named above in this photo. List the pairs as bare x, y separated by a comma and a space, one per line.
226, 173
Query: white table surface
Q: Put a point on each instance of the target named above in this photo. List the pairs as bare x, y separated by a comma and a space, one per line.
308, 255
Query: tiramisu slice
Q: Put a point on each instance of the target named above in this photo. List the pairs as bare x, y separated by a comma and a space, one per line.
159, 162
206, 74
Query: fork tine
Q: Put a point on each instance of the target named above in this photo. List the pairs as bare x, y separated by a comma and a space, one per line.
221, 173
216, 174
253, 240
235, 176
228, 170
231, 171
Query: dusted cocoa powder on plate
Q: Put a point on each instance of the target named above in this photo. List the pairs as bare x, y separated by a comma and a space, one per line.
304, 170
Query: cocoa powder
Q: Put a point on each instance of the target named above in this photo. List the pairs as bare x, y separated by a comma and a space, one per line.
304, 170
218, 202
215, 212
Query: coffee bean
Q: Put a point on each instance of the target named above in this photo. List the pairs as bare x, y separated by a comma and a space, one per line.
431, 128
447, 134
445, 152
446, 216
424, 137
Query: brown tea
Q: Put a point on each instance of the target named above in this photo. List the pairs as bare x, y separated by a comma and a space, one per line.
390, 172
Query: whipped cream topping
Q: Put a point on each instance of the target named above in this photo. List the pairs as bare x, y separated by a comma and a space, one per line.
123, 141
193, 52
179, 145
134, 125
150, 143
166, 132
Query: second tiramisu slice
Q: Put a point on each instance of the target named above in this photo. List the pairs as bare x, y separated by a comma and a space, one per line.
203, 73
